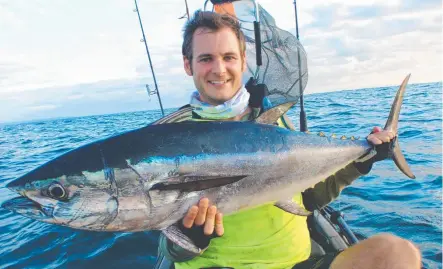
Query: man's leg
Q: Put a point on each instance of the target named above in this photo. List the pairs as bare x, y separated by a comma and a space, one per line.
379, 252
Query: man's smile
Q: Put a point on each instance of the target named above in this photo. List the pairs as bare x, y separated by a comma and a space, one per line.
219, 82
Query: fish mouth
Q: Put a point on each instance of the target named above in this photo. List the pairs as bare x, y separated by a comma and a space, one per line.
28, 208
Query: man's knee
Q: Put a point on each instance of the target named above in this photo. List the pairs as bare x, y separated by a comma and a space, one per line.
380, 251
397, 248
390, 241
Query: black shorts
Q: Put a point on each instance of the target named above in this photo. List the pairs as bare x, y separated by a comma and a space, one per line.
318, 262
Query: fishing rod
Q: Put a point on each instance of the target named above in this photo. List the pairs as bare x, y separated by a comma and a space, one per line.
187, 9
303, 121
186, 15
156, 91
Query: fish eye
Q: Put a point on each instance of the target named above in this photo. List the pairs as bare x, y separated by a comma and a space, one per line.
57, 191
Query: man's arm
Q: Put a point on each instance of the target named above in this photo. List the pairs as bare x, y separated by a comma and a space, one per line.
326, 191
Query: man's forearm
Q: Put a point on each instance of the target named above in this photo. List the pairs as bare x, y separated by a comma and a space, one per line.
326, 191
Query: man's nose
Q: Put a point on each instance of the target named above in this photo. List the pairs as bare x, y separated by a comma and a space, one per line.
218, 67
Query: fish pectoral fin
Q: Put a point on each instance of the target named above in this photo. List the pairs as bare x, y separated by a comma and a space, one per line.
174, 234
196, 183
292, 207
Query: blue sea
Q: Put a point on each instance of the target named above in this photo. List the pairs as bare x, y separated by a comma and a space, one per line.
383, 201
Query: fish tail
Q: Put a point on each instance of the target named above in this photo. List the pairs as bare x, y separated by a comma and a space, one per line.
392, 125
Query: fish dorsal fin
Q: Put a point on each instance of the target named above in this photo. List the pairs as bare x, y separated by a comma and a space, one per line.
272, 115
196, 183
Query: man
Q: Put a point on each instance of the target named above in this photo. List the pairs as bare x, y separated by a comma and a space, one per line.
264, 237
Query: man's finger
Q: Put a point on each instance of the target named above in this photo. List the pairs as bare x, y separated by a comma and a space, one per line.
391, 135
219, 229
210, 220
384, 138
188, 220
376, 130
202, 210
374, 140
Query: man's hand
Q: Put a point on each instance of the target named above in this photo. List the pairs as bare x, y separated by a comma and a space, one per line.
200, 223
207, 215
378, 136
380, 139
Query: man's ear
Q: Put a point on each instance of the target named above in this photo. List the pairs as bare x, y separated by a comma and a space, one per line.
187, 65
244, 66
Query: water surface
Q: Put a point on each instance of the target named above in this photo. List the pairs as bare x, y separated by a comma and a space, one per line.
383, 201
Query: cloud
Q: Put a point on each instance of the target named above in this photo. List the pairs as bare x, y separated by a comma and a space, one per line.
361, 46
42, 107
103, 97
365, 12
91, 61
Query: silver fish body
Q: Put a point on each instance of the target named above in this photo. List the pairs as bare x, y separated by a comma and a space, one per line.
148, 178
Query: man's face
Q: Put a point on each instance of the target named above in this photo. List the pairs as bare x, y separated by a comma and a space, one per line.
217, 65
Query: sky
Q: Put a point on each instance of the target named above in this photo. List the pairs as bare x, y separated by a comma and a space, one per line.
75, 58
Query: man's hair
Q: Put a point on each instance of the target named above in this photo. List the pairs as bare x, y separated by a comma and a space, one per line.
213, 21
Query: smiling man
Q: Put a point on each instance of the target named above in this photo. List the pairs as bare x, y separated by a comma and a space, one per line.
215, 58
263, 237
217, 65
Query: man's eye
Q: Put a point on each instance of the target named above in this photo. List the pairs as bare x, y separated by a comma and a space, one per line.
205, 60
229, 58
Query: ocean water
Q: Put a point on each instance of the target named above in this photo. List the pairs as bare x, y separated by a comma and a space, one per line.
383, 201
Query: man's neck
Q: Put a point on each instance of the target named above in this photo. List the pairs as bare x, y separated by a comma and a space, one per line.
226, 111
239, 117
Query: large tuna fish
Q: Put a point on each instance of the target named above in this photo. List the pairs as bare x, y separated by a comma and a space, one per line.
148, 178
